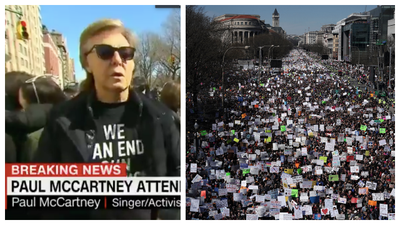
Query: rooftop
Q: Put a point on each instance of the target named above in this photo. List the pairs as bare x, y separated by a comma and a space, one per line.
240, 17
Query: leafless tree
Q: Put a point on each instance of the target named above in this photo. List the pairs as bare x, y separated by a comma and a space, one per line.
147, 57
170, 51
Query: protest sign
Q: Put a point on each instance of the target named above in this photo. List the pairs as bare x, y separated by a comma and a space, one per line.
383, 210
193, 167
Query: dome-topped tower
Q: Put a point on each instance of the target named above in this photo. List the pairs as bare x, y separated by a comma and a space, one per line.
275, 18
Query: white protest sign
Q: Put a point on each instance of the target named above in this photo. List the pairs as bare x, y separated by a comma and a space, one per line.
231, 188
354, 169
251, 217
383, 210
194, 205
193, 168
378, 197
371, 185
260, 198
197, 178
253, 187
307, 209
342, 200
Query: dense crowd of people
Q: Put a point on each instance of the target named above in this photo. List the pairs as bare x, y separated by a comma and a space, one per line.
305, 144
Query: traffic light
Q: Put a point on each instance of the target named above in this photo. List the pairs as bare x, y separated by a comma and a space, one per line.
22, 31
25, 33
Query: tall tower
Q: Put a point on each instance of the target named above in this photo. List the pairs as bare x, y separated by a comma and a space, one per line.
275, 19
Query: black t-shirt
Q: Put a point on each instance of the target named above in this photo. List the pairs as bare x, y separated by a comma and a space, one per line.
114, 142
117, 140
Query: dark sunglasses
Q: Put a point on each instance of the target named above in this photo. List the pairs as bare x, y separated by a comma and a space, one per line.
106, 52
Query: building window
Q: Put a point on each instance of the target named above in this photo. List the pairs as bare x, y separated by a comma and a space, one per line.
245, 23
21, 48
22, 61
242, 23
27, 63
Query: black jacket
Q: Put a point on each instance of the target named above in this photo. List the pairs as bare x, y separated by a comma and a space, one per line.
28, 121
68, 138
20, 123
11, 150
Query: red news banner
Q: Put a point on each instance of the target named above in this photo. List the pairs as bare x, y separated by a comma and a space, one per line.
94, 185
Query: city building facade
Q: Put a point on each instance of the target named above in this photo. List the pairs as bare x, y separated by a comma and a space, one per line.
335, 46
61, 42
326, 32
52, 57
355, 36
391, 30
241, 28
71, 70
337, 33
24, 55
362, 35
379, 18
311, 37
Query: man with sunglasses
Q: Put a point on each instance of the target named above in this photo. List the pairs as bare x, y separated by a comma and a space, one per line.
109, 121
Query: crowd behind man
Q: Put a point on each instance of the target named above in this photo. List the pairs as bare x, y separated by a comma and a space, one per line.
305, 144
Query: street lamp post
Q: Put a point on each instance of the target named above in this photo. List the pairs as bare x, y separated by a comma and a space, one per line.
223, 76
272, 55
260, 59
269, 50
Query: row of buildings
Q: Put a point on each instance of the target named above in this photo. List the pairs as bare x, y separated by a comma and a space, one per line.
43, 53
360, 37
240, 28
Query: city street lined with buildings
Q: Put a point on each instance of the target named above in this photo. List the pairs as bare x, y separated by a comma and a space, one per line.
297, 127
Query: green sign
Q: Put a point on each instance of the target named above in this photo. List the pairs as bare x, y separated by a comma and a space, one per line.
333, 177
363, 127
295, 193
246, 171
